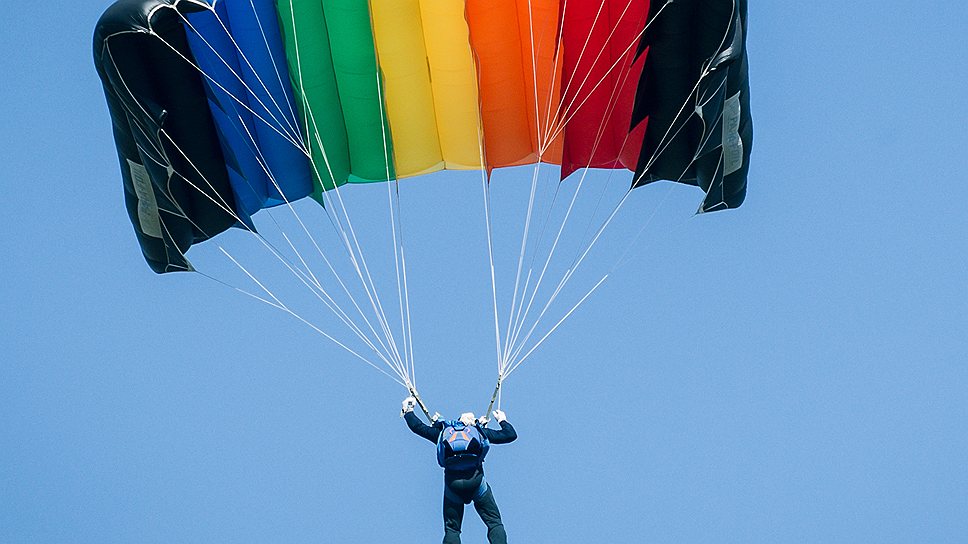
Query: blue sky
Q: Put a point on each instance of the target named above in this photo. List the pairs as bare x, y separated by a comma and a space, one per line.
793, 371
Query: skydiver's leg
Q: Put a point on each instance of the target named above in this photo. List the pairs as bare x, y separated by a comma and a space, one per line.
487, 508
453, 515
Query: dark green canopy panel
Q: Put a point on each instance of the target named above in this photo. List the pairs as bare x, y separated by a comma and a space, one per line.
176, 185
698, 134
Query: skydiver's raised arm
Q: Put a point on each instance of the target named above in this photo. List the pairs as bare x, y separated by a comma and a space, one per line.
420, 428
503, 436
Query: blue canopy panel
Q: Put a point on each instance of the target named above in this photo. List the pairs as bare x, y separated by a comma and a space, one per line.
238, 47
255, 27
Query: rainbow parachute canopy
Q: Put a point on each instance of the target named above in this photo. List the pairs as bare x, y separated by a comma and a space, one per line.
223, 107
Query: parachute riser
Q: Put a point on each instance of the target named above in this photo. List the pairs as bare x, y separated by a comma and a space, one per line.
420, 402
497, 390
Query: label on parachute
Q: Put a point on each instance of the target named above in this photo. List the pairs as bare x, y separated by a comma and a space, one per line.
147, 205
732, 142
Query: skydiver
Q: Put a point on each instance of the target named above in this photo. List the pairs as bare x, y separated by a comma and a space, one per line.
461, 447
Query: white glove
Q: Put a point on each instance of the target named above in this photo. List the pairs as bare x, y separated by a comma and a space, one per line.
408, 404
482, 421
500, 416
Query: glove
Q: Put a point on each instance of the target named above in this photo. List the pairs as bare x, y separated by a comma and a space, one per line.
482, 421
500, 416
408, 405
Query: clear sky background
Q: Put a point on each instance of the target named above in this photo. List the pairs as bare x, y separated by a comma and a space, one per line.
792, 371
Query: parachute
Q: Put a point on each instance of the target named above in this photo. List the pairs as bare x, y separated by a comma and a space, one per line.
222, 108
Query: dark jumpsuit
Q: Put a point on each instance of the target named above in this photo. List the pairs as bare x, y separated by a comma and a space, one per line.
461, 486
